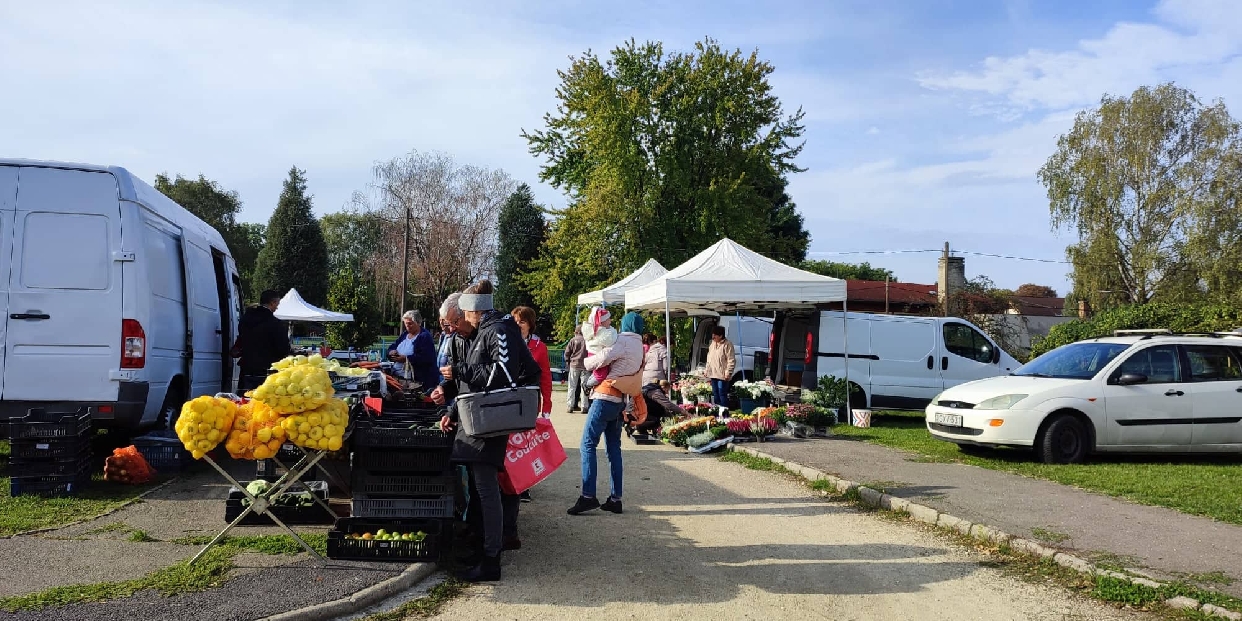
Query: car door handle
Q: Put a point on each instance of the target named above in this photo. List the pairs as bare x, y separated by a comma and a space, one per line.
30, 316
944, 363
931, 363
1173, 393
1238, 389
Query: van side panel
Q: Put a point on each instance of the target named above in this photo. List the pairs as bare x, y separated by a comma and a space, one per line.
831, 352
8, 208
206, 374
65, 285
166, 302
904, 373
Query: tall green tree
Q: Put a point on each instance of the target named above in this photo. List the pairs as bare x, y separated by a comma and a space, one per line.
295, 255
1031, 290
350, 293
848, 271
661, 155
354, 241
522, 231
788, 239
1150, 183
219, 208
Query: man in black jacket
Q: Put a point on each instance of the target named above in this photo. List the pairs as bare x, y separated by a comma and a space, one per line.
261, 340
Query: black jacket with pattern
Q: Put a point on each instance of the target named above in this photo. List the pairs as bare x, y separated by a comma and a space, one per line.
497, 339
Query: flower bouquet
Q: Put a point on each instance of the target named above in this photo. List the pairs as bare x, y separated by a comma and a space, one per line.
693, 386
678, 433
753, 394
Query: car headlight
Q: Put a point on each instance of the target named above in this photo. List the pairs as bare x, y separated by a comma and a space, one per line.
936, 399
1003, 402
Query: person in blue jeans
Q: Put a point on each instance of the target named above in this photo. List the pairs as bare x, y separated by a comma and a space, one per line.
625, 362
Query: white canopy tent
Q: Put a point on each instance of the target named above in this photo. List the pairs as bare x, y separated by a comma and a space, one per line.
615, 293
294, 308
730, 277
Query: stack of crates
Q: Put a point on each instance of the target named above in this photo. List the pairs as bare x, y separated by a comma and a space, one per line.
50, 453
401, 483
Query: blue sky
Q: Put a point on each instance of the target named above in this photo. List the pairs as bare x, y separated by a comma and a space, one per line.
926, 120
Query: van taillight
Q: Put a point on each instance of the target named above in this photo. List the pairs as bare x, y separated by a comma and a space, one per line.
771, 341
810, 340
133, 345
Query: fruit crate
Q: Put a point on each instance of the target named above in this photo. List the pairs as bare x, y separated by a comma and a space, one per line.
48, 448
397, 433
364, 484
313, 514
68, 465
429, 549
403, 508
163, 451
38, 423
428, 461
50, 485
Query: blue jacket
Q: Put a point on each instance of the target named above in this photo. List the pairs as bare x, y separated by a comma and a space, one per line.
423, 360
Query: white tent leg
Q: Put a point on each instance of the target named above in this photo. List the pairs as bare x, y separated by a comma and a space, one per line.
845, 334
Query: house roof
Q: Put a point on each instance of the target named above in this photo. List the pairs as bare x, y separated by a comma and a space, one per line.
1038, 307
898, 292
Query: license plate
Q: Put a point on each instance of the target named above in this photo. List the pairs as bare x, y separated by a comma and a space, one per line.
952, 420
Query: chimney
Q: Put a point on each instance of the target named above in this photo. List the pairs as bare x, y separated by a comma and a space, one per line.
952, 279
1084, 309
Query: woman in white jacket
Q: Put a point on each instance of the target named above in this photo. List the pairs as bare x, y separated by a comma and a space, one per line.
625, 362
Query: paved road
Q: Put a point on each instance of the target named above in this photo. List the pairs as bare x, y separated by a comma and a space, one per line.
1155, 541
707, 539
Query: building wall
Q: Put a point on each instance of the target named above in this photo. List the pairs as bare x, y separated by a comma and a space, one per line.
1019, 330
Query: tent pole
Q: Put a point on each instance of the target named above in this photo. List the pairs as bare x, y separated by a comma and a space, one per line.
845, 333
668, 338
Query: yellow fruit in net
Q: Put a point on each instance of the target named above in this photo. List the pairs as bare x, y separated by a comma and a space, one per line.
263, 435
261, 452
274, 446
335, 443
213, 435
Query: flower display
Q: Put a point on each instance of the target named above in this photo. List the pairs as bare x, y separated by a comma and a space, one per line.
677, 433
746, 389
693, 384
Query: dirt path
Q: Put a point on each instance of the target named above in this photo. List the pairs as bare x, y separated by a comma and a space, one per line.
707, 539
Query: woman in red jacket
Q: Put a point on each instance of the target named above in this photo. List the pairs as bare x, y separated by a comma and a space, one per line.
525, 318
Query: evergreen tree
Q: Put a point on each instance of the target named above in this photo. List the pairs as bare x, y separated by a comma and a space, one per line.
522, 231
295, 255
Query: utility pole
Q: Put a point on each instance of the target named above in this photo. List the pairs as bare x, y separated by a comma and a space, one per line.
405, 262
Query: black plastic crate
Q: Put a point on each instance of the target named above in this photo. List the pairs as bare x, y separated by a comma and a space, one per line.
403, 508
71, 465
313, 514
340, 547
50, 485
364, 484
163, 451
38, 423
399, 461
48, 448
396, 433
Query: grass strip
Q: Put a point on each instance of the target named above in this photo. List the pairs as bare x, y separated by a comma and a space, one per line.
209, 572
1209, 486
1100, 587
426, 606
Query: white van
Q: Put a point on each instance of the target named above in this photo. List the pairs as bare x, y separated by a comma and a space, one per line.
899, 362
114, 296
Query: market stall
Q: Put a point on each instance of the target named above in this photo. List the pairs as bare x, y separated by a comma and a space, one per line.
615, 293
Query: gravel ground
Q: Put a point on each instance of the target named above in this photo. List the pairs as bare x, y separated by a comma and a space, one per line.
707, 539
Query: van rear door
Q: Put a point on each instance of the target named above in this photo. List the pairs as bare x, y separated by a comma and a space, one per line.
8, 207
64, 312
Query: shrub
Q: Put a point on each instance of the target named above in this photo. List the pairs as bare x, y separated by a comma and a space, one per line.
1175, 317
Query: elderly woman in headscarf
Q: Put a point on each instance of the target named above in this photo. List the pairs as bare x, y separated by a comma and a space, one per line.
624, 360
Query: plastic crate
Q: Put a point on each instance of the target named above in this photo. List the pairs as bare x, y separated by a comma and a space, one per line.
38, 423
50, 485
70, 465
429, 549
425, 461
403, 508
314, 514
163, 451
364, 484
398, 434
48, 448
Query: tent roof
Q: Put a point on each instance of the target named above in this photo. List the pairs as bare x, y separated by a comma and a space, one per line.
294, 308
615, 293
728, 276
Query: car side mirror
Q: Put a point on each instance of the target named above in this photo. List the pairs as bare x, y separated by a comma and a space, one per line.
996, 355
1131, 379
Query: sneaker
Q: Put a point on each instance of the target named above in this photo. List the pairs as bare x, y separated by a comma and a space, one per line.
574, 409
612, 505
583, 505
525, 496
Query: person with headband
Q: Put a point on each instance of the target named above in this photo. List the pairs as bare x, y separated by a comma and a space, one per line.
484, 339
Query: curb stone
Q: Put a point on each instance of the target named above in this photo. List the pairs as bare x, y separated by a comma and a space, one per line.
928, 515
361, 600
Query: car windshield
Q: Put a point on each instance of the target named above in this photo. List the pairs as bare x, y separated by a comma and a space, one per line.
1076, 361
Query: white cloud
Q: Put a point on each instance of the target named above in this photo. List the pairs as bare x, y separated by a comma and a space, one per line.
873, 130
1190, 35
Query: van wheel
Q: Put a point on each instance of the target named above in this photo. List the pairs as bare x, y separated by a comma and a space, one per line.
170, 409
1064, 440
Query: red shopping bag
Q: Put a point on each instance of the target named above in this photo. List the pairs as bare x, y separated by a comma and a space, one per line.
530, 457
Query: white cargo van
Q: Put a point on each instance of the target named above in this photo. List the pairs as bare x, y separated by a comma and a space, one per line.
899, 362
113, 296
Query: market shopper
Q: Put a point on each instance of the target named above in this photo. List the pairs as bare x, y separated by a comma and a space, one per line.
261, 340
484, 339
625, 360
721, 362
415, 352
575, 352
525, 318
